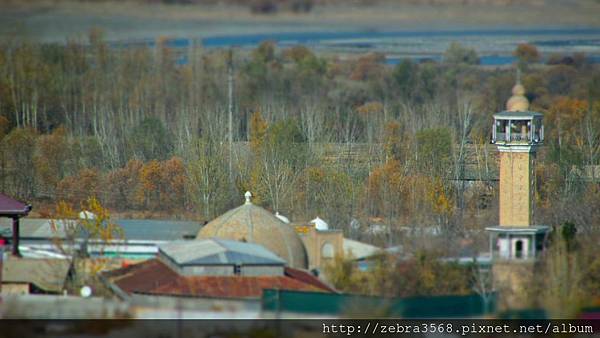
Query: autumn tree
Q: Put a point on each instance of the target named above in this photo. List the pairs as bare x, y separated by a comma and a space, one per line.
124, 186
151, 179
526, 54
19, 149
77, 188
75, 235
387, 191
174, 181
51, 160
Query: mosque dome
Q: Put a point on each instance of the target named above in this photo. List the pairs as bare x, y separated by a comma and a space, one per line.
518, 101
253, 224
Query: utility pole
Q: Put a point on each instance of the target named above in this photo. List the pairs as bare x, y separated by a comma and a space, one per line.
230, 111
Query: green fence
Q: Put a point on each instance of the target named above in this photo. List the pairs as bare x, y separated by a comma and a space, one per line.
318, 303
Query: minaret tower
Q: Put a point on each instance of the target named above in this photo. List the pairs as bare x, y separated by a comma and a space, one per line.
516, 241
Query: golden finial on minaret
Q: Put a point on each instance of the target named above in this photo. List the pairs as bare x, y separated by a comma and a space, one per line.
518, 101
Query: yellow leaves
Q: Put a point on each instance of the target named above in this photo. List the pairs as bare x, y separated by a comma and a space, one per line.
392, 140
150, 175
164, 183
258, 130
440, 200
564, 118
370, 108
65, 211
387, 190
78, 187
71, 230
52, 153
315, 174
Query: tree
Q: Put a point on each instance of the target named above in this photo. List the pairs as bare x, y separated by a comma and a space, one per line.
458, 54
19, 149
526, 53
150, 140
387, 191
51, 158
174, 180
77, 188
207, 176
124, 186
151, 179
405, 74
282, 157
434, 151
74, 235
562, 293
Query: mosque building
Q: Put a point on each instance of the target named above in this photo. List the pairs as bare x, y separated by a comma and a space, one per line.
302, 246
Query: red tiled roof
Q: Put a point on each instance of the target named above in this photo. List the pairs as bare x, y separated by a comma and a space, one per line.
154, 277
9, 206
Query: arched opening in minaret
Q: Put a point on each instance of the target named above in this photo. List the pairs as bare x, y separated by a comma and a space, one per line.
519, 249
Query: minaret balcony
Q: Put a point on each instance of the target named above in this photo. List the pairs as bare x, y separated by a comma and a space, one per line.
517, 129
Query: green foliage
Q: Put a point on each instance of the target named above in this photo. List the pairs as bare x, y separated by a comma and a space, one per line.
150, 140
458, 54
125, 103
405, 75
568, 230
19, 148
526, 53
434, 150
423, 275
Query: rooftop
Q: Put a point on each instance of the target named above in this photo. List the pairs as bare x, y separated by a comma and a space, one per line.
10, 206
217, 251
133, 229
534, 229
517, 115
48, 275
153, 277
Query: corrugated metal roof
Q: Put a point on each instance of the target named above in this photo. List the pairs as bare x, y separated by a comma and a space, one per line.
133, 229
155, 278
218, 251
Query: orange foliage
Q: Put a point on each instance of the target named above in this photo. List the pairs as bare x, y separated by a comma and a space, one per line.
565, 117
368, 67
52, 154
386, 189
124, 187
258, 130
163, 184
78, 188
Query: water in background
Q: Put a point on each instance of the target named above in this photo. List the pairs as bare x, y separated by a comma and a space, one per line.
494, 46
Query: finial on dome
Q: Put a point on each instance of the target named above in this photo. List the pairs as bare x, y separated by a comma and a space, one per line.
518, 101
248, 196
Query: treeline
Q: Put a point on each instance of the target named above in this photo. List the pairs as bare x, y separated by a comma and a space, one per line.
147, 129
